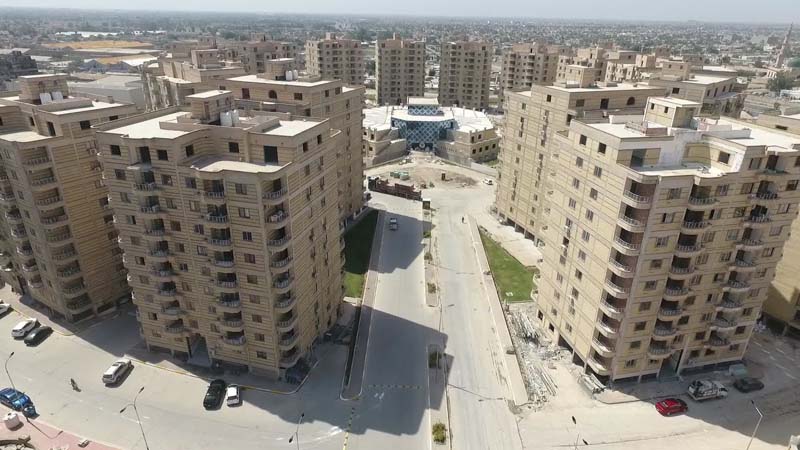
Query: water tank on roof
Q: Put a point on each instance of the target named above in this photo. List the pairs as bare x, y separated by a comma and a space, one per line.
295, 74
289, 75
225, 119
235, 117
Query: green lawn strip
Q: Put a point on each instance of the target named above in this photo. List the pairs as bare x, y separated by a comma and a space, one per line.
509, 274
358, 245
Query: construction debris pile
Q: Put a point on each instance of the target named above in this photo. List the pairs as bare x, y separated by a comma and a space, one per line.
534, 351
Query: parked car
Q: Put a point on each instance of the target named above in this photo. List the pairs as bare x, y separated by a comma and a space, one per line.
671, 406
214, 394
233, 395
23, 328
748, 384
15, 399
700, 390
37, 335
393, 223
488, 181
4, 308
117, 370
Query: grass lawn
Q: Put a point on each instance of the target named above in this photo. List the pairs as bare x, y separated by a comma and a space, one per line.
509, 274
493, 163
357, 247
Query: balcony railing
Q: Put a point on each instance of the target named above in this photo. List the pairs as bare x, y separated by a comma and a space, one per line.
620, 266
734, 284
151, 186
696, 224
282, 283
626, 244
234, 340
720, 322
751, 242
58, 237
758, 219
153, 209
674, 292
216, 218
37, 161
223, 262
214, 194
43, 181
274, 195
764, 196
636, 197
280, 263
278, 242
48, 200
702, 201
664, 331
227, 284
669, 312
689, 248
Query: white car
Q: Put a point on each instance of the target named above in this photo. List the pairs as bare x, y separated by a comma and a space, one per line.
117, 370
233, 395
21, 329
4, 307
393, 224
488, 181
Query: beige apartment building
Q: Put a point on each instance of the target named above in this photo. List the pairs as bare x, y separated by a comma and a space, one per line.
335, 58
254, 56
593, 58
718, 94
59, 244
229, 224
399, 70
526, 64
662, 233
465, 71
174, 78
532, 119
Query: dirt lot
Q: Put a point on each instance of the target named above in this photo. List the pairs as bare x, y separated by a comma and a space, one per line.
426, 175
99, 44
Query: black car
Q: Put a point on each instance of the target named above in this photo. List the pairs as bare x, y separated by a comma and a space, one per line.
37, 335
214, 394
748, 384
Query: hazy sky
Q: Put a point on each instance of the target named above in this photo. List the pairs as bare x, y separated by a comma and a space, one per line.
707, 10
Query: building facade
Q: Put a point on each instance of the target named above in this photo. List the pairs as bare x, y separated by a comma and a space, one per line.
527, 64
60, 245
229, 224
662, 233
399, 70
254, 56
533, 118
465, 71
335, 58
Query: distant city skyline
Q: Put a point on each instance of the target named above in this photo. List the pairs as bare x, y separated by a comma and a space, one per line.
778, 11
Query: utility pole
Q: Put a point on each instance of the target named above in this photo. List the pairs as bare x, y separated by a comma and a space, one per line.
138, 420
760, 418
296, 436
9, 374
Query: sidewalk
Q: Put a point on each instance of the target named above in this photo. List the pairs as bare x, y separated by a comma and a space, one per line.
43, 436
352, 389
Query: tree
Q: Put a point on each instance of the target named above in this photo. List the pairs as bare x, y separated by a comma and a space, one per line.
779, 83
758, 64
795, 63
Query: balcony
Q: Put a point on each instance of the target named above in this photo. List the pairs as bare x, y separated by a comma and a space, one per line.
232, 324
287, 362
43, 183
155, 233
13, 218
282, 283
160, 254
37, 162
62, 256
611, 310
146, 187
214, 196
619, 268
281, 263
216, 218
694, 226
616, 290
278, 243
19, 234
625, 247
284, 304
152, 210
221, 243
164, 274
687, 251
230, 305
662, 331
736, 286
224, 263
53, 201
173, 309
30, 268
631, 224
286, 325
603, 349
55, 220
636, 200
757, 221
701, 203
287, 342
236, 341
730, 305
74, 289
607, 329
658, 352
176, 327
716, 341
679, 273
599, 367
58, 237
764, 197
79, 304
277, 220
7, 199
750, 244
741, 265
169, 292
669, 313
675, 293
274, 196
723, 324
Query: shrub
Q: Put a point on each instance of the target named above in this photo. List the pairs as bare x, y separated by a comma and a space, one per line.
431, 288
439, 433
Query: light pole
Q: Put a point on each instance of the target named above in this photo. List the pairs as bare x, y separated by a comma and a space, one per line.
296, 436
760, 417
578, 437
7, 373
138, 420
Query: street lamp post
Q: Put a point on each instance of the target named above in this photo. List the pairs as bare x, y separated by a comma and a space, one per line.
578, 437
138, 420
760, 418
296, 436
7, 372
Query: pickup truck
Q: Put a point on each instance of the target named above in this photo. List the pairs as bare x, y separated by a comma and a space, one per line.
700, 390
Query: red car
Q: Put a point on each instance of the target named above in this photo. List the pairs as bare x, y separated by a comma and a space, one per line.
671, 406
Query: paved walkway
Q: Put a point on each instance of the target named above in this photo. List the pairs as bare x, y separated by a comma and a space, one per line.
44, 436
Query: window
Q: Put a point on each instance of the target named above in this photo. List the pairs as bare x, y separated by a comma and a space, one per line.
700, 336
581, 255
175, 225
162, 155
85, 124
202, 251
589, 215
631, 363
260, 338
667, 217
755, 163
582, 140
650, 285
631, 101
199, 229
739, 212
549, 98
783, 208
732, 235
598, 171
191, 183
724, 157
166, 180
249, 258
576, 183
601, 148
247, 236
252, 279
666, 110
241, 189
189, 150
722, 190
579, 161
656, 264
585, 235
746, 188
579, 103
776, 231
115, 150
572, 203
640, 326
674, 193
119, 174
298, 95
245, 93
636, 344
676, 90
791, 185
261, 355
603, 103
644, 306
709, 236
233, 147
578, 275
768, 252
662, 241
270, 154
244, 213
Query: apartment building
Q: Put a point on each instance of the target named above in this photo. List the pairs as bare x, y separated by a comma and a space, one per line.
335, 58
399, 70
593, 58
532, 119
526, 64
174, 78
662, 233
228, 221
465, 70
783, 122
313, 97
718, 94
59, 244
254, 55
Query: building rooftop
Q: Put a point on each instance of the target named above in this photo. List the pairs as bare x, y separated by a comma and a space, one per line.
215, 164
467, 119
257, 79
23, 136
291, 127
599, 88
151, 128
208, 94
96, 106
